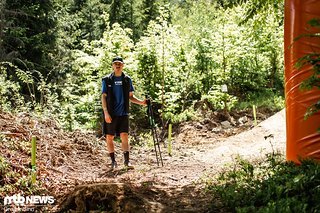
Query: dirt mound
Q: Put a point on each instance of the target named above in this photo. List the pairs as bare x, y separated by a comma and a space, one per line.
57, 151
110, 197
216, 125
127, 197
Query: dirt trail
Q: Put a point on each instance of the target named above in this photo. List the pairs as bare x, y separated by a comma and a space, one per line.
178, 186
266, 137
75, 167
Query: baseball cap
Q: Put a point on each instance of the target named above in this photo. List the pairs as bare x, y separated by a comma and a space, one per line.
117, 59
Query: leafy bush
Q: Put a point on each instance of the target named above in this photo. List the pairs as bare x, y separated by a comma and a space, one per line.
270, 185
9, 91
266, 99
220, 100
186, 115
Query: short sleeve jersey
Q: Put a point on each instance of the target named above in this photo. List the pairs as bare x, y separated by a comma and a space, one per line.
119, 106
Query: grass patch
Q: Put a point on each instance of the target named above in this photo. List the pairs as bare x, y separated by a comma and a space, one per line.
269, 185
266, 99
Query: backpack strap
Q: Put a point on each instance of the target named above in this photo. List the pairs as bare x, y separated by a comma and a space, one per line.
108, 79
126, 89
109, 84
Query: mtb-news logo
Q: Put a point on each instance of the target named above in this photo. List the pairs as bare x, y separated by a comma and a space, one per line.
18, 200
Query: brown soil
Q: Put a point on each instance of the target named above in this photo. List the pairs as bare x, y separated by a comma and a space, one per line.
75, 167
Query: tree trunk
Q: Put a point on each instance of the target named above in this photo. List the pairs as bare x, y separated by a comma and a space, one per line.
2, 23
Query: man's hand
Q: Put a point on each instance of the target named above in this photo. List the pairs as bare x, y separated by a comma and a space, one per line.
145, 102
136, 100
107, 117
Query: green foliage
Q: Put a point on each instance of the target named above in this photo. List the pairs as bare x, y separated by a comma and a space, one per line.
246, 60
270, 185
9, 91
40, 95
27, 35
186, 115
220, 100
162, 65
148, 69
266, 99
175, 51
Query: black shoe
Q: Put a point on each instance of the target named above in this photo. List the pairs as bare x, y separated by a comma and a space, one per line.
128, 165
114, 165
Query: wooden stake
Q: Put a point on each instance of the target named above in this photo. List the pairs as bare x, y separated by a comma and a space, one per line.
254, 115
33, 160
169, 140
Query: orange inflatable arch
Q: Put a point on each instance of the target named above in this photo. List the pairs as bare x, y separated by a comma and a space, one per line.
303, 140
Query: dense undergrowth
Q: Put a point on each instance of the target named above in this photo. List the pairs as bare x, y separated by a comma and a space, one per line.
268, 185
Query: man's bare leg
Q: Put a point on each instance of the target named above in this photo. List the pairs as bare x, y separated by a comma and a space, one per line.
124, 142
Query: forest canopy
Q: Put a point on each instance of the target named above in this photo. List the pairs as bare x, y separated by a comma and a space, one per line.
54, 53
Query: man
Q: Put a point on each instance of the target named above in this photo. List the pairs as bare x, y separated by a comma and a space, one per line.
117, 90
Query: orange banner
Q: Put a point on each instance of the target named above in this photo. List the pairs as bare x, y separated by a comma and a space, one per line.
303, 140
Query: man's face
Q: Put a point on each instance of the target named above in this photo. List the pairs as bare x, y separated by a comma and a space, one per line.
117, 66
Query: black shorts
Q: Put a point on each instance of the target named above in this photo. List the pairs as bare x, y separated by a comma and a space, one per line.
119, 124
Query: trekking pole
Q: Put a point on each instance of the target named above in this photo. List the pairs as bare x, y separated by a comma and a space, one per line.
154, 132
